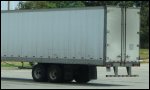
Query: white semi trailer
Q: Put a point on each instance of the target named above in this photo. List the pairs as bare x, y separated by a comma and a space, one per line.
70, 43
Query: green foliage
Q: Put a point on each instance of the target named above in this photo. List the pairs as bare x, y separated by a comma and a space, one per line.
144, 27
36, 5
69, 4
144, 54
144, 39
49, 4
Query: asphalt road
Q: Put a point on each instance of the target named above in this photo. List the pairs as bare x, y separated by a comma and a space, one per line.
22, 79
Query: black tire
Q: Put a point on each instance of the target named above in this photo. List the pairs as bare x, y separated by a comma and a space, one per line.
68, 77
82, 75
39, 73
55, 74
68, 80
81, 79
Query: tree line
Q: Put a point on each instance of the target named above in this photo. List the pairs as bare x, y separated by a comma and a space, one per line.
144, 5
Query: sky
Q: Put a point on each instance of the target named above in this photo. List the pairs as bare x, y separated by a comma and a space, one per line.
13, 4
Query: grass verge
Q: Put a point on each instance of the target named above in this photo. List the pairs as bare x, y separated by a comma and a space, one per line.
14, 64
144, 54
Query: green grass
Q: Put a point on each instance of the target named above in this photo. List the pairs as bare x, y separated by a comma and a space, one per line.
14, 64
144, 53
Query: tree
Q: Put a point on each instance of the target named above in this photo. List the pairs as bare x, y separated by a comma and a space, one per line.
49, 4
144, 27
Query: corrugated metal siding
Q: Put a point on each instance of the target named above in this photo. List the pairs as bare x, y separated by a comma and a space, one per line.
75, 33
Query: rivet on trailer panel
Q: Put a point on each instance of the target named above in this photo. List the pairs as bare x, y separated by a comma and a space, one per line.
137, 58
107, 44
108, 31
138, 32
107, 58
108, 11
65, 57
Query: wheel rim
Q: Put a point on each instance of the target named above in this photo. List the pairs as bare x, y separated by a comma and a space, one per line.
37, 73
53, 75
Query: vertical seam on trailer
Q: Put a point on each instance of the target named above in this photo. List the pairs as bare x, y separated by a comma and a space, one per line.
105, 35
139, 33
125, 35
121, 31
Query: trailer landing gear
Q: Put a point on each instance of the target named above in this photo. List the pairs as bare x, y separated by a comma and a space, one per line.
115, 67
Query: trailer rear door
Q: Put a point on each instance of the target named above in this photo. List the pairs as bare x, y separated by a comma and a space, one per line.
113, 52
132, 34
122, 34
